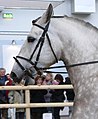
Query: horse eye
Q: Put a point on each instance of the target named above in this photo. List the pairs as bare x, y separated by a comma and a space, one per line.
31, 39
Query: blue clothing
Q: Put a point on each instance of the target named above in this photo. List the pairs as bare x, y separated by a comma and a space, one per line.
3, 97
3, 80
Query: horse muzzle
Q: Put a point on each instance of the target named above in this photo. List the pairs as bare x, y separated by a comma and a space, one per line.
15, 77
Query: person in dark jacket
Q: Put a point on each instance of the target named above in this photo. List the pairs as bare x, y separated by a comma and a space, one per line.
4, 80
57, 96
69, 93
37, 96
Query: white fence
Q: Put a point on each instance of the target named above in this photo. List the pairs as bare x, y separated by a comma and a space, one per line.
27, 103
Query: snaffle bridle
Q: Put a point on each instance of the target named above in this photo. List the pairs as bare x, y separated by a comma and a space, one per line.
40, 45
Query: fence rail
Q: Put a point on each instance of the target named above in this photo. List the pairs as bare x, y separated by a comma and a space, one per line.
56, 104
35, 87
27, 103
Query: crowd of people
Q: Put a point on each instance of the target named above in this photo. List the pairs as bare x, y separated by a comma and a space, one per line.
36, 96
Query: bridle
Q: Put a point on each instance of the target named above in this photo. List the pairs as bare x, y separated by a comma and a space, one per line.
40, 45
41, 42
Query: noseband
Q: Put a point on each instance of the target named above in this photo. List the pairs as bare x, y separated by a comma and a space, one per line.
40, 45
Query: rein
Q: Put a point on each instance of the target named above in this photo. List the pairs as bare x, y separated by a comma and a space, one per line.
68, 66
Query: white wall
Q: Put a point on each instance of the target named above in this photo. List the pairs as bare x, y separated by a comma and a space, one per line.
22, 21
8, 52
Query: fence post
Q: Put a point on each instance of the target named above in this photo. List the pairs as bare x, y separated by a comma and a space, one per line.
27, 100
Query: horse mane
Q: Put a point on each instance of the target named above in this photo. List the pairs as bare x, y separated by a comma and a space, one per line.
84, 23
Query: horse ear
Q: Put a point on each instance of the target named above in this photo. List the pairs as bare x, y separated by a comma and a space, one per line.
47, 15
49, 12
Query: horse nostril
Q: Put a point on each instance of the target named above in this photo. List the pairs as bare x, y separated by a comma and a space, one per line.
13, 75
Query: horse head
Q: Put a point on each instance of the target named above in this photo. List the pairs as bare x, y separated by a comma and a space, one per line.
37, 51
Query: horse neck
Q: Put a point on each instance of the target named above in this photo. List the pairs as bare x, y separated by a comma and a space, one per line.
78, 45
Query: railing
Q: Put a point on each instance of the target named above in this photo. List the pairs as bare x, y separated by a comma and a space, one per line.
27, 103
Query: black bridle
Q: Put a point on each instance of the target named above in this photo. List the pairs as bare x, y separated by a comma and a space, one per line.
40, 45
41, 42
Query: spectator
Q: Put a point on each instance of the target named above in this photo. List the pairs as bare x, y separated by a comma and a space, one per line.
4, 80
49, 81
37, 96
58, 96
17, 97
69, 93
8, 83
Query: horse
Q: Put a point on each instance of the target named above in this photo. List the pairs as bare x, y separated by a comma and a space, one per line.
67, 39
